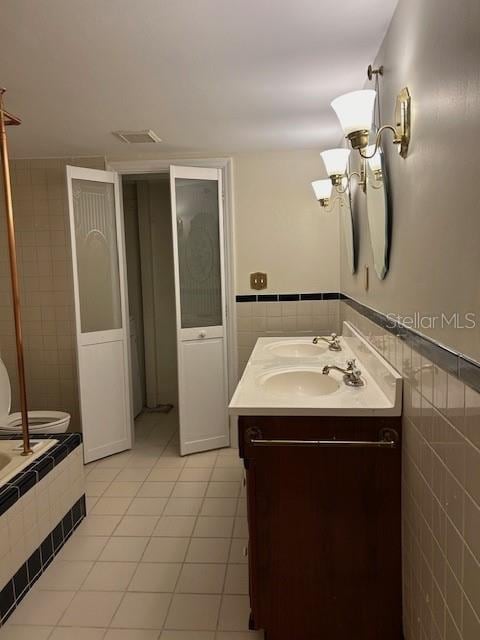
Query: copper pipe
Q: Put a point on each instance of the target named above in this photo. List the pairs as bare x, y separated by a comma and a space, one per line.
6, 119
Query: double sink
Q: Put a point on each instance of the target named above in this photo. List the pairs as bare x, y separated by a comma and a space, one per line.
294, 376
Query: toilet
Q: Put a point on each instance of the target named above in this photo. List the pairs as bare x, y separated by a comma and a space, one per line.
39, 421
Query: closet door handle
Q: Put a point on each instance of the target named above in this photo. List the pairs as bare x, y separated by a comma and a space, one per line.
202, 334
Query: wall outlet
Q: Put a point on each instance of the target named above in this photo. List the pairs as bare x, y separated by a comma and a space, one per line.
258, 280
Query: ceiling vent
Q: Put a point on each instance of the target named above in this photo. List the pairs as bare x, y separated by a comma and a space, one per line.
137, 137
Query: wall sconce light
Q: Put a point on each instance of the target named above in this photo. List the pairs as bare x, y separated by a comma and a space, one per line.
375, 162
335, 161
336, 164
323, 191
355, 112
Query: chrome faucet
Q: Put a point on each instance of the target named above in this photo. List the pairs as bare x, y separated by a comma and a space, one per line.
333, 342
351, 375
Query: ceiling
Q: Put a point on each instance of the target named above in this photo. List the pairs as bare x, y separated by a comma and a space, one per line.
220, 76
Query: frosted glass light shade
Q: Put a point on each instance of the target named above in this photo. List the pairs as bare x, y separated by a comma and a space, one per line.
376, 161
355, 110
335, 161
322, 189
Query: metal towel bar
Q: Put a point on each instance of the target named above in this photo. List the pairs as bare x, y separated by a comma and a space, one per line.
388, 439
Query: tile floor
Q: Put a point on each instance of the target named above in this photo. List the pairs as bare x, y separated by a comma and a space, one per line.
159, 556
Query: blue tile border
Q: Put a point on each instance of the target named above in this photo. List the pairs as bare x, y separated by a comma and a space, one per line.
288, 297
458, 365
20, 584
15, 488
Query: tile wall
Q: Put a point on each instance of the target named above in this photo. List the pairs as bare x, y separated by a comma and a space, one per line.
286, 318
44, 260
441, 492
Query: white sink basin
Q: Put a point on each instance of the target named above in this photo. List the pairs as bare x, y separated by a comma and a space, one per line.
298, 382
296, 349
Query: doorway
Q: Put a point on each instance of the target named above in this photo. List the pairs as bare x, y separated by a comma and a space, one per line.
178, 276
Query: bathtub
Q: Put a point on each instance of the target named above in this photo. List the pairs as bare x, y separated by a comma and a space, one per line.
12, 461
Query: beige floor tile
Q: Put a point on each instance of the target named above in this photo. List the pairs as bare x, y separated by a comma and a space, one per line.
95, 489
155, 577
214, 527
187, 635
242, 507
83, 548
227, 474
136, 526
131, 634
229, 461
132, 475
189, 490
98, 525
237, 551
240, 529
91, 609
219, 507
156, 490
200, 461
172, 462
201, 578
183, 506
42, 608
111, 506
64, 576
23, 632
142, 611
208, 550
223, 490
163, 474
193, 612
175, 526
236, 581
109, 576
98, 474
122, 489
126, 549
195, 475
234, 613
77, 633
147, 506
117, 461
166, 550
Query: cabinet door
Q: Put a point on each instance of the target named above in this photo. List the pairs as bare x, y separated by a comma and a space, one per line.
325, 537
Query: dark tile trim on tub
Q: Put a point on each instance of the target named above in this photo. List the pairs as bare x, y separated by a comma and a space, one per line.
458, 365
28, 477
20, 584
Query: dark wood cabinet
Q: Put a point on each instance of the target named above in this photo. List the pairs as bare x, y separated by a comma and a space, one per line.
324, 526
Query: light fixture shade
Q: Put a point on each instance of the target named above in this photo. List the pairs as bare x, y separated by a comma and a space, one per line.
376, 161
355, 110
322, 189
335, 161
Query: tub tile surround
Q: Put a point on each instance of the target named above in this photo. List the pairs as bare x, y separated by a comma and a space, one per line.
280, 315
39, 509
441, 482
39, 193
159, 555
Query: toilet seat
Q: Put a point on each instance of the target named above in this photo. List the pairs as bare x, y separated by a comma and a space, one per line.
42, 421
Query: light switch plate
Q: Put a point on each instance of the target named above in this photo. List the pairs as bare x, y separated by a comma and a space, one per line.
258, 280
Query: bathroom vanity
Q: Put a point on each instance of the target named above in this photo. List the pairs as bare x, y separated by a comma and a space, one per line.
323, 471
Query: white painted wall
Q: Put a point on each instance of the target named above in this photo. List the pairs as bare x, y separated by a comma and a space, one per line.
279, 226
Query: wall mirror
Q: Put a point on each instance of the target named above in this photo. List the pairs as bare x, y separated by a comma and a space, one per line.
346, 223
378, 211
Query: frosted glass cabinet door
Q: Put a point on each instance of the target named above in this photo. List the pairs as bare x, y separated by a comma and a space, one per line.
97, 255
199, 263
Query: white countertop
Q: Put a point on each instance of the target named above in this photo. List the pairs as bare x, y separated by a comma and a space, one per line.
380, 395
